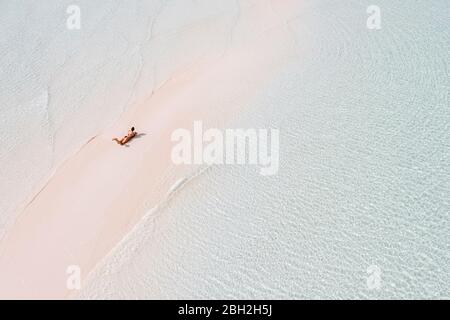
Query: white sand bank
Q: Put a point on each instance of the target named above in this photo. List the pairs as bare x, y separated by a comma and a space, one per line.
97, 195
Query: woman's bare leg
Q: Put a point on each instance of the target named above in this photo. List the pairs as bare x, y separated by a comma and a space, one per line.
117, 140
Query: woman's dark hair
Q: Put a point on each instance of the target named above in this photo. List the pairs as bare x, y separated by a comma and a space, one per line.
132, 128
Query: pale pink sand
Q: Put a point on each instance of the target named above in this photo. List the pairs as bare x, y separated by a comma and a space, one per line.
96, 197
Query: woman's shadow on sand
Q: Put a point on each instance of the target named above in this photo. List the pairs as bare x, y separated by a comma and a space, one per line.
138, 136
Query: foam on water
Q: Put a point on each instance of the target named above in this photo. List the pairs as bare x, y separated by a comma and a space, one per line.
363, 183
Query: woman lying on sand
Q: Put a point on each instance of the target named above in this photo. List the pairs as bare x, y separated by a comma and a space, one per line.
130, 135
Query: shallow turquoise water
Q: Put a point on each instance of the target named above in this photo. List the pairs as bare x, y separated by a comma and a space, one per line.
364, 184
